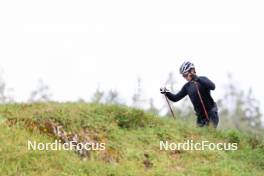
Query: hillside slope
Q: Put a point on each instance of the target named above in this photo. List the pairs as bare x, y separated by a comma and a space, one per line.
132, 143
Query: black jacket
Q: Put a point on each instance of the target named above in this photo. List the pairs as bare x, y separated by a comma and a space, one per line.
204, 86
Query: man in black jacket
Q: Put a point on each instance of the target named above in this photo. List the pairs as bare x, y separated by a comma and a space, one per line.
198, 89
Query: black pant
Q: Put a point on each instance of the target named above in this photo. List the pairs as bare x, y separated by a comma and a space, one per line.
213, 118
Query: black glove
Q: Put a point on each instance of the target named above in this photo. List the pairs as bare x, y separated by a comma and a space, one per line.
163, 90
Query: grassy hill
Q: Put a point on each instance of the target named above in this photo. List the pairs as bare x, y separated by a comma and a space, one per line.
132, 143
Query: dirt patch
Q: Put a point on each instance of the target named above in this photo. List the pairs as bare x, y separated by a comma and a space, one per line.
147, 163
57, 131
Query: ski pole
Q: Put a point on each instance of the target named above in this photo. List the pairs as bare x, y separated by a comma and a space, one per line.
200, 97
170, 107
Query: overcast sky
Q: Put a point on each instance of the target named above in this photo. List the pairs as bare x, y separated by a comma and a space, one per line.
74, 46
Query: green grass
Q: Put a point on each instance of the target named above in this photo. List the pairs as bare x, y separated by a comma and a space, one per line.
132, 143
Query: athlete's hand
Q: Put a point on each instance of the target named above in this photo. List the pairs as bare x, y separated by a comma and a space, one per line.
163, 90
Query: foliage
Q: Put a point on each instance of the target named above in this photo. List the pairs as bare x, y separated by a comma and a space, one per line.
132, 143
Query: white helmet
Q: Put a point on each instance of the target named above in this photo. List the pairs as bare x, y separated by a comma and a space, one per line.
186, 67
